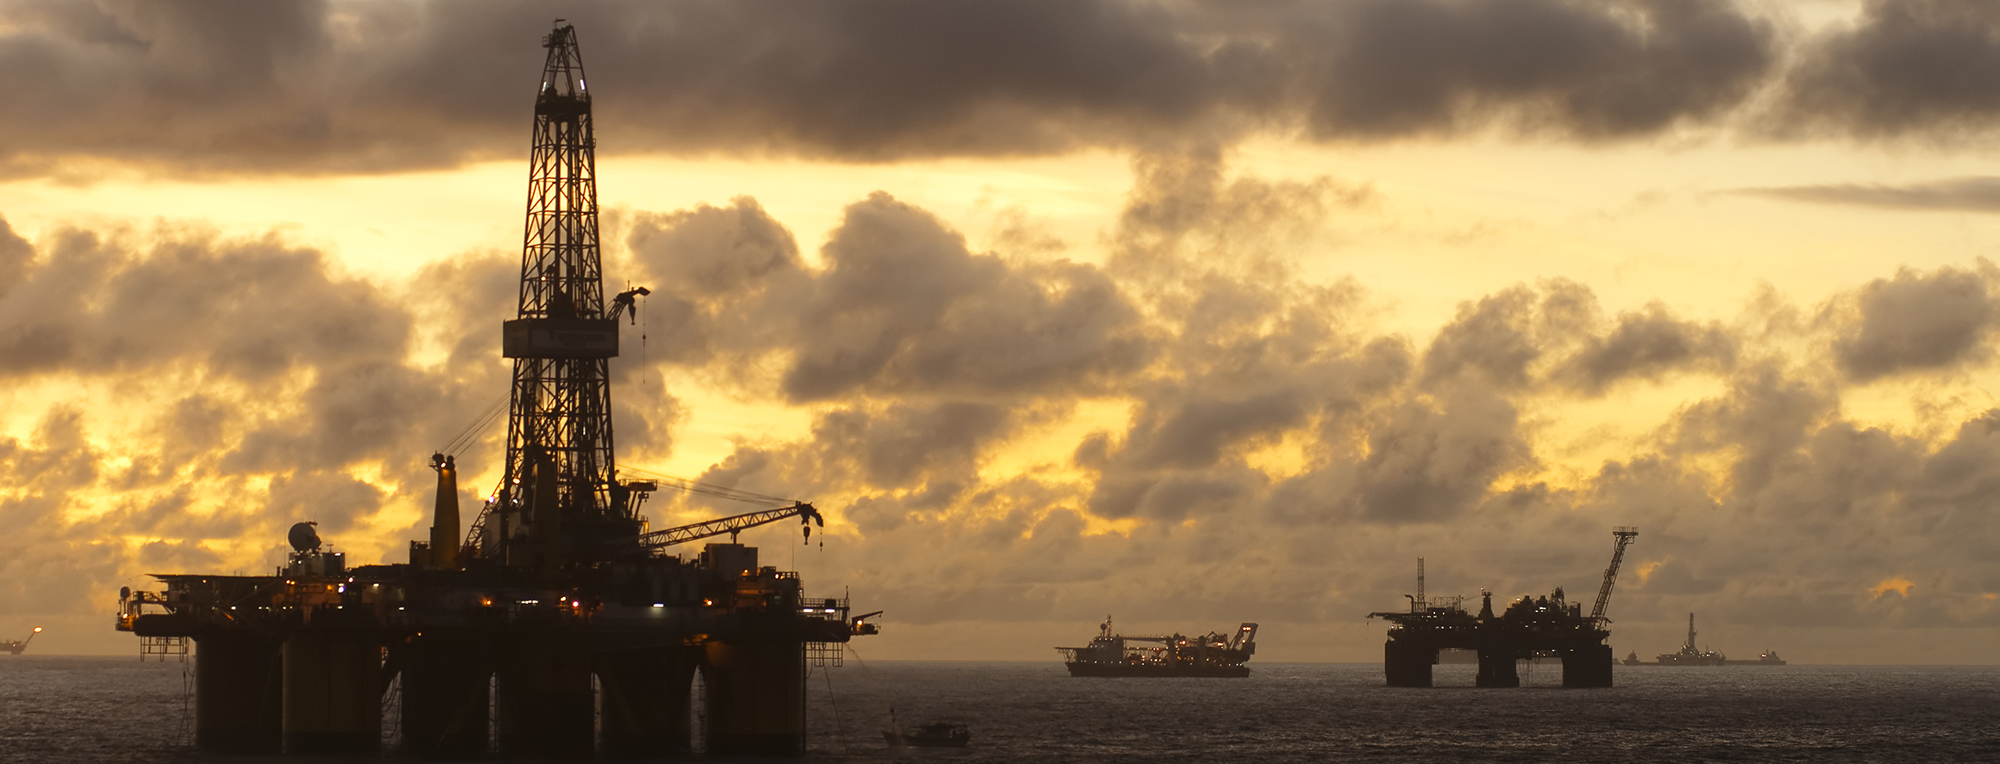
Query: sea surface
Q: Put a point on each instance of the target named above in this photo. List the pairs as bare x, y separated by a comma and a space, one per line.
59, 710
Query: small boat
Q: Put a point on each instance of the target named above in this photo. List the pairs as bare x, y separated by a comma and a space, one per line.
939, 734
933, 735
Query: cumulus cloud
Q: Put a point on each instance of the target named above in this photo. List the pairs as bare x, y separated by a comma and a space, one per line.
1647, 344
902, 306
1523, 339
1914, 323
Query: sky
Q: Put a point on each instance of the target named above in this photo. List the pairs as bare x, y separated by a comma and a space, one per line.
1189, 312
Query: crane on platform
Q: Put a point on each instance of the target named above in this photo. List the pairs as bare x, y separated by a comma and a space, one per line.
807, 515
1623, 535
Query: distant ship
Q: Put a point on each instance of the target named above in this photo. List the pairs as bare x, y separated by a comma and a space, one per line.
16, 647
1767, 658
1693, 657
1210, 655
932, 735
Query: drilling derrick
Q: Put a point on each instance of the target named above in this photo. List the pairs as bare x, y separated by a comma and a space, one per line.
557, 495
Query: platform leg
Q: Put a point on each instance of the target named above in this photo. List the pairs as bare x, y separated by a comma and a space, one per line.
756, 697
238, 691
1587, 666
1408, 664
643, 694
333, 694
445, 696
1497, 669
546, 707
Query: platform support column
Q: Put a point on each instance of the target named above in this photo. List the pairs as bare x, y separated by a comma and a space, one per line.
643, 698
238, 689
445, 697
1497, 669
1408, 664
756, 696
333, 694
546, 708
1588, 666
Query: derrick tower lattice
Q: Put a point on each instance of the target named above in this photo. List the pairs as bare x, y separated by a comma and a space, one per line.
560, 472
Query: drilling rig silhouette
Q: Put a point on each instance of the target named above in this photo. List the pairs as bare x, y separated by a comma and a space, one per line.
557, 625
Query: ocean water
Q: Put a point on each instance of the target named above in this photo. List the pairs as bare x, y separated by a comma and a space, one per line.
56, 709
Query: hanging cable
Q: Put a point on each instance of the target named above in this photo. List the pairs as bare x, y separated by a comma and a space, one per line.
704, 489
467, 436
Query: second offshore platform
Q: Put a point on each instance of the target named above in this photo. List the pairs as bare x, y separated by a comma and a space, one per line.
558, 625
1528, 628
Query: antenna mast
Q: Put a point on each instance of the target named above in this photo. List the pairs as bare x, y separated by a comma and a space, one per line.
1421, 603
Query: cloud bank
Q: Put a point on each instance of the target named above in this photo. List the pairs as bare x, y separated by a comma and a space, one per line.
313, 86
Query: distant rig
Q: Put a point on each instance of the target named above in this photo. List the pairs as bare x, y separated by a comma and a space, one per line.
17, 646
559, 626
1529, 627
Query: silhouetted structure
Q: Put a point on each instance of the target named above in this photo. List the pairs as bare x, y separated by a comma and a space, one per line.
1528, 627
558, 612
1210, 655
1689, 655
16, 647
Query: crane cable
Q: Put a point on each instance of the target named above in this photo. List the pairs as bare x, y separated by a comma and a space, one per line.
467, 436
705, 489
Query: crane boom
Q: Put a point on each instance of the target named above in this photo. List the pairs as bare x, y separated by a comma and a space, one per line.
732, 525
1624, 537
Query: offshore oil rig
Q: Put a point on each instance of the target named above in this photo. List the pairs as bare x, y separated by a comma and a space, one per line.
558, 625
16, 646
1530, 627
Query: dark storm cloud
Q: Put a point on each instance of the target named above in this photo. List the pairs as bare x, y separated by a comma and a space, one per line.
1980, 194
1386, 68
343, 86
1914, 323
1907, 66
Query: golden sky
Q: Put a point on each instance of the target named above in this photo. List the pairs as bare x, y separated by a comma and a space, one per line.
1191, 313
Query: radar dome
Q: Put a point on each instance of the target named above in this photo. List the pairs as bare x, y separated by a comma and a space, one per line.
303, 537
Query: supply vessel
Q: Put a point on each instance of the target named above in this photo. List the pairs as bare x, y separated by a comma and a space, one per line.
1214, 654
